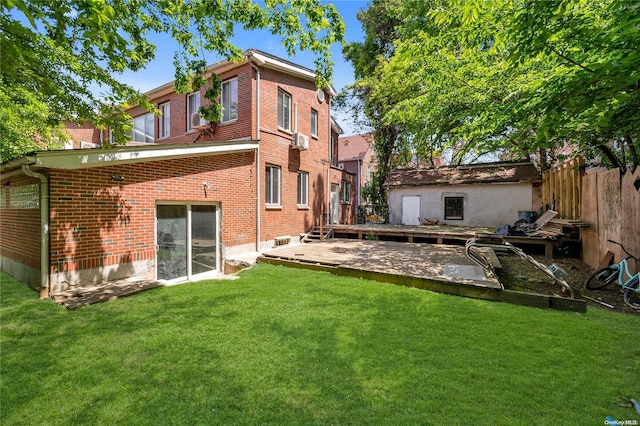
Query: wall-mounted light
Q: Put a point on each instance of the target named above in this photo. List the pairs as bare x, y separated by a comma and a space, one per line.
117, 177
205, 184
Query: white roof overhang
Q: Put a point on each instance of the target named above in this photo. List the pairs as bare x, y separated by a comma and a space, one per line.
88, 158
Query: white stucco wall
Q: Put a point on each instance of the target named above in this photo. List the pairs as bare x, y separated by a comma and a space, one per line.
489, 205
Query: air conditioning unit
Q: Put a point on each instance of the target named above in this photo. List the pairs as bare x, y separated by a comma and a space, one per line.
341, 166
197, 121
301, 141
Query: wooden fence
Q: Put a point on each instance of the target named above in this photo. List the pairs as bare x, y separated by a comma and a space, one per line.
607, 201
561, 189
611, 207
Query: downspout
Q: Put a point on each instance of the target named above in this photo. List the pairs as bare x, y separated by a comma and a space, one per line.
330, 164
258, 215
358, 183
44, 237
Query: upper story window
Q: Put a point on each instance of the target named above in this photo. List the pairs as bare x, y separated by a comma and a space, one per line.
165, 120
193, 105
272, 186
314, 122
143, 128
229, 100
284, 110
332, 151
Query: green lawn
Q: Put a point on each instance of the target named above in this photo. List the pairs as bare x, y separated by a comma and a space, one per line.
285, 346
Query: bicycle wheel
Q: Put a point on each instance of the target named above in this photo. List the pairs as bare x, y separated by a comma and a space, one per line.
632, 294
601, 278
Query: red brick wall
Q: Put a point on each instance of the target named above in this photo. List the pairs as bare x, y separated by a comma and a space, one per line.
275, 149
237, 129
98, 222
84, 132
20, 229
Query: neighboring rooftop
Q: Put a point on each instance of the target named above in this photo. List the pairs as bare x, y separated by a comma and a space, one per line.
500, 172
353, 147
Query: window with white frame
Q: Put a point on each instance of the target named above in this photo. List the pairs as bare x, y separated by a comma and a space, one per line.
165, 120
332, 151
284, 110
272, 186
345, 195
193, 105
229, 100
143, 129
303, 188
454, 208
314, 122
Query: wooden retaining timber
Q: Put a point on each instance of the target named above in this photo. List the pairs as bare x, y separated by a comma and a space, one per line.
510, 296
83, 296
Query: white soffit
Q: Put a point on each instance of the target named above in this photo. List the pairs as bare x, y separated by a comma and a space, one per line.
87, 158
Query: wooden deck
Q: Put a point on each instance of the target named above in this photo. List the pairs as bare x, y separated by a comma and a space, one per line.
436, 234
440, 268
440, 263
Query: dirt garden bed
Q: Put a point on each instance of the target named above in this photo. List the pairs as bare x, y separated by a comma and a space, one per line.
518, 274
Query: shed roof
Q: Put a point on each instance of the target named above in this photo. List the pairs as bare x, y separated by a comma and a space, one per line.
501, 172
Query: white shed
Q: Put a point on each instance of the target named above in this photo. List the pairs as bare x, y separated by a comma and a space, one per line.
487, 195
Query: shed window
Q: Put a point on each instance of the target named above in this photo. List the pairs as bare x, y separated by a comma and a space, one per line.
454, 208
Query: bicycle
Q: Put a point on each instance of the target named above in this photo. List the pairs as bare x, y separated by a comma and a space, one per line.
603, 277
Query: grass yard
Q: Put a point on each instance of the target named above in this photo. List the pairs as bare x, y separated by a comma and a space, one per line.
285, 346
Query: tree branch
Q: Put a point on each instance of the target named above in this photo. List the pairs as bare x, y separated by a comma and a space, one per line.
611, 156
571, 60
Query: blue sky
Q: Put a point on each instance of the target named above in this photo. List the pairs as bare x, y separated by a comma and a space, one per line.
161, 70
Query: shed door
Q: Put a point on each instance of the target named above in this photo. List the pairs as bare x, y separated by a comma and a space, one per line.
411, 210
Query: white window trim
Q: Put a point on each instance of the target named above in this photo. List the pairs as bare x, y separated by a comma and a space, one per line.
231, 120
343, 192
284, 92
190, 113
164, 127
306, 190
271, 204
314, 132
145, 117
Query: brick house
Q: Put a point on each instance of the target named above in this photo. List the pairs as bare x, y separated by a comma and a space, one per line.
184, 195
356, 155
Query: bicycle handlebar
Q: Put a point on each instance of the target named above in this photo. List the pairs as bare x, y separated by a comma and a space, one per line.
623, 249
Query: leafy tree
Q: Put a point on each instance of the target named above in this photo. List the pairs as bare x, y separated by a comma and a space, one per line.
517, 76
56, 55
379, 23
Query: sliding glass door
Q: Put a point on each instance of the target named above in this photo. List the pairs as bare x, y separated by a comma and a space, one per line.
187, 244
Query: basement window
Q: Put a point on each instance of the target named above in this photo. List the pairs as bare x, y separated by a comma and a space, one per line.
454, 208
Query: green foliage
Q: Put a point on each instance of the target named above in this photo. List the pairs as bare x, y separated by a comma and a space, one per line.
379, 23
514, 78
371, 236
67, 55
285, 346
